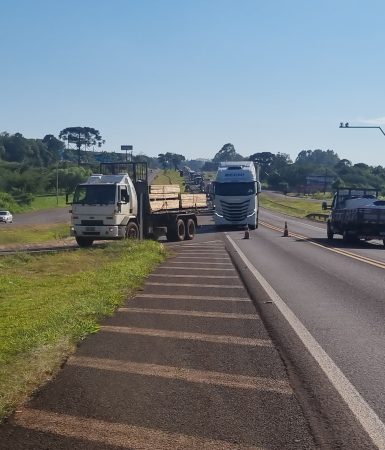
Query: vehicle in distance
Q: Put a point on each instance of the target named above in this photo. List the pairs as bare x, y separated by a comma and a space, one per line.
235, 193
6, 217
356, 214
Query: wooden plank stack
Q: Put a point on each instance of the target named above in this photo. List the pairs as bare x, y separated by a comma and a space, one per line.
168, 198
193, 201
164, 197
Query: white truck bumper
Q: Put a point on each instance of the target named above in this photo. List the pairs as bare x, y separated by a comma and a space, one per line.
98, 232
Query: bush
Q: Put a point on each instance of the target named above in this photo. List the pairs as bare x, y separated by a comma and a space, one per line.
8, 202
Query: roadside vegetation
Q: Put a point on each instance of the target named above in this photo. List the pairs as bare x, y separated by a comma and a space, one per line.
170, 177
33, 234
49, 303
293, 206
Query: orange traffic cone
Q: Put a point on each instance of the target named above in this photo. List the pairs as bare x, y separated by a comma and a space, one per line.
285, 231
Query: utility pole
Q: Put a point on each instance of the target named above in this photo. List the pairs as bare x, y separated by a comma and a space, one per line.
347, 125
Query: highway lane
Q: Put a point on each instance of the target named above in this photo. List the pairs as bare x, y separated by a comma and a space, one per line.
317, 231
337, 293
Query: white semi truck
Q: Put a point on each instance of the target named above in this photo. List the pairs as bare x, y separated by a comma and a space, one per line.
118, 203
236, 190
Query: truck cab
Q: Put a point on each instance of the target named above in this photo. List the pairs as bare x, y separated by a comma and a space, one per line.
236, 190
102, 208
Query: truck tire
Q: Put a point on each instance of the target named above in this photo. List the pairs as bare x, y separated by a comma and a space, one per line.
329, 232
132, 231
177, 231
190, 229
84, 242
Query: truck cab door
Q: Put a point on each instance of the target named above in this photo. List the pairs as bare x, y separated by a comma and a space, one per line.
124, 200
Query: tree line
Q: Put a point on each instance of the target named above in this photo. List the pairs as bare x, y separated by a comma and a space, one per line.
278, 171
30, 167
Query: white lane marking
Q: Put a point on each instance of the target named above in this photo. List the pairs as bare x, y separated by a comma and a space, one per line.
209, 269
224, 286
184, 335
203, 263
202, 253
169, 275
215, 258
119, 435
369, 420
193, 297
182, 373
183, 312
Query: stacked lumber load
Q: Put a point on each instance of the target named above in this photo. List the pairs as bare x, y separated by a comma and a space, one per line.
193, 201
167, 197
164, 197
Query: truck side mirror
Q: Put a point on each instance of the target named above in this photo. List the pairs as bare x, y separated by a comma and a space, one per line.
324, 205
258, 187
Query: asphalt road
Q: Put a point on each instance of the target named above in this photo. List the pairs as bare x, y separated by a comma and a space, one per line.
48, 216
336, 292
186, 364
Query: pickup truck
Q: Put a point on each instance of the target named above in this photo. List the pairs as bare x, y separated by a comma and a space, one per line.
356, 214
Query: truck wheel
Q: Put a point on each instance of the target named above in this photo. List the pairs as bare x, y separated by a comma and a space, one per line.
84, 242
190, 229
177, 231
132, 231
330, 233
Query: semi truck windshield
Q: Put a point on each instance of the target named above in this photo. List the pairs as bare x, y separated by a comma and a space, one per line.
228, 189
94, 194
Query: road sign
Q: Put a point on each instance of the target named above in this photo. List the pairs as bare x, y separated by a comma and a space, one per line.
126, 147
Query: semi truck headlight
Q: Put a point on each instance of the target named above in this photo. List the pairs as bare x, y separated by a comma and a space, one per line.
110, 229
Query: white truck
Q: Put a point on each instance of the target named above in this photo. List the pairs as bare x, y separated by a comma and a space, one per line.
118, 203
356, 214
236, 190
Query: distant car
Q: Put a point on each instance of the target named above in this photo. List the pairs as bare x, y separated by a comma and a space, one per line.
6, 217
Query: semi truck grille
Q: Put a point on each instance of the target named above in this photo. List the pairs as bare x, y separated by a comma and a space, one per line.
92, 223
235, 212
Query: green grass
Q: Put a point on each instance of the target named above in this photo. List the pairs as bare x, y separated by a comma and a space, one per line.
297, 207
46, 202
169, 177
48, 303
32, 234
38, 203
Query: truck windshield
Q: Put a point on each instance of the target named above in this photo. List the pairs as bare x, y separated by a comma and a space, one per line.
228, 189
95, 194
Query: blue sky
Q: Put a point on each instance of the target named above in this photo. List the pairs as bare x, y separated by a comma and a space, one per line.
189, 76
